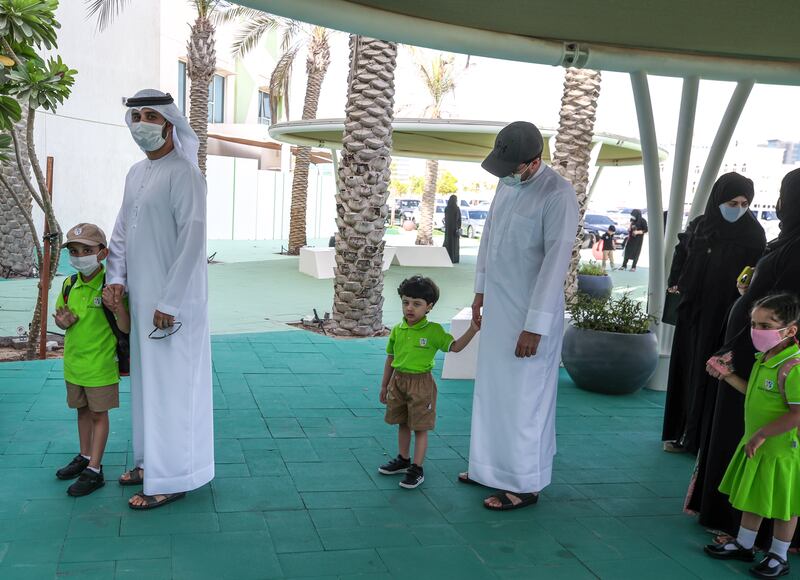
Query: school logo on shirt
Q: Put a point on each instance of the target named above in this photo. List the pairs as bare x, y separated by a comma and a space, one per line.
98, 302
423, 342
769, 385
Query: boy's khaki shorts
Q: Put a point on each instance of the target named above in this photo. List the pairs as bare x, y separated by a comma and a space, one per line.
98, 399
411, 400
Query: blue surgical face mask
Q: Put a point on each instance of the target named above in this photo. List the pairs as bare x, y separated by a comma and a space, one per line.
732, 214
513, 180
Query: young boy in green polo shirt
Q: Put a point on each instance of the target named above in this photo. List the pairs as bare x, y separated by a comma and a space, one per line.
91, 369
408, 389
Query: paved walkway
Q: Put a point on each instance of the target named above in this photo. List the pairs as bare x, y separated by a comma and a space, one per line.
299, 435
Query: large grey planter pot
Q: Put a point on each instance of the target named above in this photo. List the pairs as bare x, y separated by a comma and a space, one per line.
607, 362
596, 286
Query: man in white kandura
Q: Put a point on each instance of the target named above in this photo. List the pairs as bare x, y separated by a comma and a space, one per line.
158, 252
519, 285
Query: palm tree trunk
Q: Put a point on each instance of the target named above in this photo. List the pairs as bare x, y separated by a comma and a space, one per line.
573, 149
16, 240
319, 58
200, 66
364, 174
427, 206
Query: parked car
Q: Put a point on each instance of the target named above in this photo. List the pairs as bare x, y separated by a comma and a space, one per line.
595, 225
438, 216
768, 219
404, 208
472, 221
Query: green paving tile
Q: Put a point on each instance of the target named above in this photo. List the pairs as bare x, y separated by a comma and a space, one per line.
236, 555
144, 524
438, 562
262, 462
630, 569
34, 551
116, 548
28, 527
568, 571
336, 563
343, 499
292, 531
334, 518
28, 571
387, 536
235, 494
242, 522
87, 570
94, 526
336, 476
159, 569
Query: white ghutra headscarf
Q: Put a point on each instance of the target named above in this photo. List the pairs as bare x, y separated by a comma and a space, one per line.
183, 137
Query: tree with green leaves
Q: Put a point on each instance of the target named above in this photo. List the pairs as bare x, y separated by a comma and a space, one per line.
201, 59
295, 36
439, 74
29, 82
446, 183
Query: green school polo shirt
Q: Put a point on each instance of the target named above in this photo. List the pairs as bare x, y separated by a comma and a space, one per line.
90, 347
414, 347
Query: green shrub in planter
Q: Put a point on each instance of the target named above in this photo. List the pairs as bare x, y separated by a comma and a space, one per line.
608, 347
593, 281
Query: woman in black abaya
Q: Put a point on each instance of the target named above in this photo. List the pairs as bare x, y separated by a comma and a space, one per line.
633, 247
777, 271
452, 229
709, 257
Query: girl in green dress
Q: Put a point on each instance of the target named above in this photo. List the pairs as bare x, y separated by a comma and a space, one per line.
763, 478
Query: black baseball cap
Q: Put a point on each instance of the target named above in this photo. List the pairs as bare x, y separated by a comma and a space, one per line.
515, 143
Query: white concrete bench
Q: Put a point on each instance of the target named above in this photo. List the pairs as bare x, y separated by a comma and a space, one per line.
317, 262
320, 262
422, 256
461, 365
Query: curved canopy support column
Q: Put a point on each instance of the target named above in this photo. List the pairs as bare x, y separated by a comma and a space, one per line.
652, 178
720, 145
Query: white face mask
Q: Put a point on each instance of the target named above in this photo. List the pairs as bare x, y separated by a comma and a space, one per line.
86, 265
513, 180
148, 136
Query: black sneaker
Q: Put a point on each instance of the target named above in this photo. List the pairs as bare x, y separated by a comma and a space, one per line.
397, 465
414, 477
88, 482
74, 468
721, 552
764, 570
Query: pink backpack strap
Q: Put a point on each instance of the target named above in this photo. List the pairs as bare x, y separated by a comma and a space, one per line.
783, 373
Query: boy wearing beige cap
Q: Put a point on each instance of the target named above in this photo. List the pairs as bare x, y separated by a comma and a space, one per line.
95, 324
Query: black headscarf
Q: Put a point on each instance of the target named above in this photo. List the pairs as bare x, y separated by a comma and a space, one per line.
637, 221
788, 211
453, 201
711, 226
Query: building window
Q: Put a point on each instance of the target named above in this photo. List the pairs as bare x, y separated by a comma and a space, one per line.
216, 100
182, 87
264, 113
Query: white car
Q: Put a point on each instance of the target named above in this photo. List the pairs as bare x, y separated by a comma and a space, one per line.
472, 221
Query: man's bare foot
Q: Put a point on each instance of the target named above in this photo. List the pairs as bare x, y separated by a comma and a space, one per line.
506, 500
133, 477
140, 501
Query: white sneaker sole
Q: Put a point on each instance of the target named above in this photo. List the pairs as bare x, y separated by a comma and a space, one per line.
416, 485
386, 472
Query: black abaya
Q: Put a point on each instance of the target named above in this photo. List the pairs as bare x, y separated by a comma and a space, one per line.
452, 231
708, 259
778, 270
633, 247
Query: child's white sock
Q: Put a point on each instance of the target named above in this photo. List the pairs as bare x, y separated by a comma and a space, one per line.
86, 457
93, 468
779, 549
746, 539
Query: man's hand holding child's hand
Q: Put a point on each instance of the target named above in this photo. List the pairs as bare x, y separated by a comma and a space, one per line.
112, 299
64, 317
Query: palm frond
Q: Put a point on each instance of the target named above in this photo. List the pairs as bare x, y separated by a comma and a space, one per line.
280, 79
238, 13
251, 33
106, 11
291, 29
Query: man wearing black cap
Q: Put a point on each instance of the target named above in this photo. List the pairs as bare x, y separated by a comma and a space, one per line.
519, 295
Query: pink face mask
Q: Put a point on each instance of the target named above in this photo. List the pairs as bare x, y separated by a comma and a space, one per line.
765, 339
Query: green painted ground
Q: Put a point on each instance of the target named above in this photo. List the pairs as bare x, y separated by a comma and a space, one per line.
299, 435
